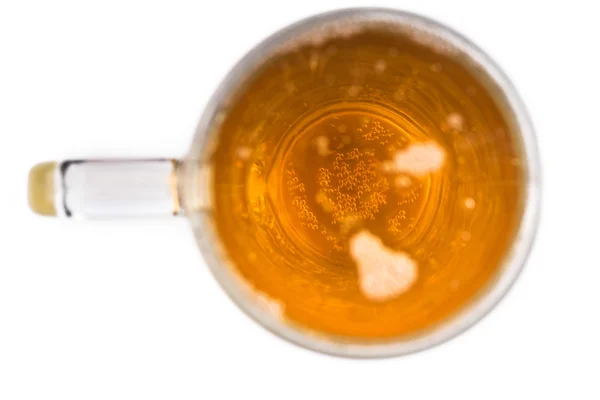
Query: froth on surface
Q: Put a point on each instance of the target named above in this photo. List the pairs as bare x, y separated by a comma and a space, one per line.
348, 26
266, 303
269, 305
383, 273
419, 159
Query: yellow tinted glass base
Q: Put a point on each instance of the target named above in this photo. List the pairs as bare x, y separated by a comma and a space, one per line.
42, 189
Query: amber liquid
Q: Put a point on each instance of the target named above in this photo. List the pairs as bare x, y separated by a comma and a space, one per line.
304, 163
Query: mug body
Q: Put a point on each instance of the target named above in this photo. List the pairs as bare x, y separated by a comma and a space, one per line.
197, 179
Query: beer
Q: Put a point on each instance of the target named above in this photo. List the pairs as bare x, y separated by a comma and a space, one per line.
366, 183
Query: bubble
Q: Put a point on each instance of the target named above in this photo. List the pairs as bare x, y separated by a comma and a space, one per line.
470, 203
322, 143
220, 117
403, 181
354, 90
437, 67
455, 121
243, 153
380, 66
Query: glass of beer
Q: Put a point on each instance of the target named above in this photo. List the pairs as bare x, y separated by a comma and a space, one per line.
363, 183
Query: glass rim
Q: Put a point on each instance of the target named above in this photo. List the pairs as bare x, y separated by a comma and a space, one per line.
513, 263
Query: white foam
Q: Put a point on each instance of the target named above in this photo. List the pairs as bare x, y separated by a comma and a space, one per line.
419, 159
383, 273
273, 307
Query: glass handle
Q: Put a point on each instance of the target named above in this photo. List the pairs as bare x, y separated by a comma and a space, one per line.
105, 188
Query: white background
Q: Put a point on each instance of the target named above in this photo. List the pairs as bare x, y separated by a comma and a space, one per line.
128, 310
